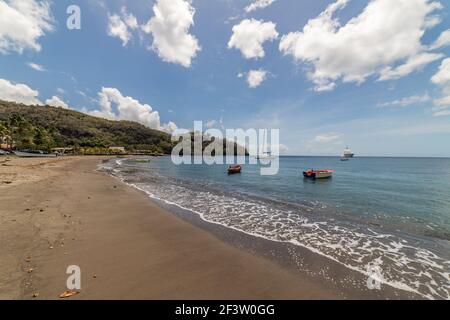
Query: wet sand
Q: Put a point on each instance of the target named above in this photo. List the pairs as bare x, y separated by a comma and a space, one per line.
61, 212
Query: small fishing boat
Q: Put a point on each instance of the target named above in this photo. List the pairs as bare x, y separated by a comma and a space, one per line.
142, 160
234, 169
318, 174
37, 154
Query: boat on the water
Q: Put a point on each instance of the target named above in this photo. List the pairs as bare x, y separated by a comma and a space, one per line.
344, 158
266, 156
318, 174
348, 153
142, 160
234, 169
37, 154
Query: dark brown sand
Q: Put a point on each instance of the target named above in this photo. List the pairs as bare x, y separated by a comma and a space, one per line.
56, 213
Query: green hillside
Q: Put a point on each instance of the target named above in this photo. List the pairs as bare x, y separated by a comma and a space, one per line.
43, 128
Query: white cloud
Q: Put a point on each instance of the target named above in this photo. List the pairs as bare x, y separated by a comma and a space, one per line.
249, 36
130, 19
258, 4
414, 63
118, 28
115, 106
328, 137
385, 39
19, 93
55, 101
256, 77
121, 26
442, 41
22, 23
442, 78
211, 123
324, 144
170, 29
407, 101
36, 66
441, 112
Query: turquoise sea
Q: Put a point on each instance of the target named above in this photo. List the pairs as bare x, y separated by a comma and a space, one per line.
392, 212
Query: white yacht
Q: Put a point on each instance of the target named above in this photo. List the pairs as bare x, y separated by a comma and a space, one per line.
348, 153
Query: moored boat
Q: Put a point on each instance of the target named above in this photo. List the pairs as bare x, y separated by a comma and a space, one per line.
318, 174
348, 153
234, 169
22, 154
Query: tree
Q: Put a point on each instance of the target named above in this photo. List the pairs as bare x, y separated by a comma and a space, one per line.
3, 133
42, 139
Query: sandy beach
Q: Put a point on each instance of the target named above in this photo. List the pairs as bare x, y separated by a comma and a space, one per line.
61, 212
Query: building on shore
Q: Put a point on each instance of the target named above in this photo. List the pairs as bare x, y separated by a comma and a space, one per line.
117, 149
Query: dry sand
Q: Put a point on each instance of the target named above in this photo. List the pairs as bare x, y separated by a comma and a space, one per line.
60, 212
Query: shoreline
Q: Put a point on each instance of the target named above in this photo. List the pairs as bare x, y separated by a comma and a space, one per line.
126, 246
344, 282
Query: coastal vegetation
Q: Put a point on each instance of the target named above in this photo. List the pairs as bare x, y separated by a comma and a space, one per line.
45, 128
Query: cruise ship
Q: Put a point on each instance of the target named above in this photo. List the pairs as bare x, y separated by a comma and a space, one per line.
348, 153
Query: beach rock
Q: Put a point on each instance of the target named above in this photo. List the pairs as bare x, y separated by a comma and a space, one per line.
35, 295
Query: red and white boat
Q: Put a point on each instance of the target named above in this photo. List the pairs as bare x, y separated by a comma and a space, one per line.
318, 174
234, 169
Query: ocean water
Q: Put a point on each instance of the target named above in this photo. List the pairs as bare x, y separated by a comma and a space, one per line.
393, 213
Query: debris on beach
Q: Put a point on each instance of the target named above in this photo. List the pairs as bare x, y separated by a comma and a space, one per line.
68, 294
35, 295
30, 270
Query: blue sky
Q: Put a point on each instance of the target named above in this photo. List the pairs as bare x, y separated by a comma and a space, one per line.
343, 80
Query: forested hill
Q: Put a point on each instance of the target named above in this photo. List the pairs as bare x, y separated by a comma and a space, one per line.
45, 127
